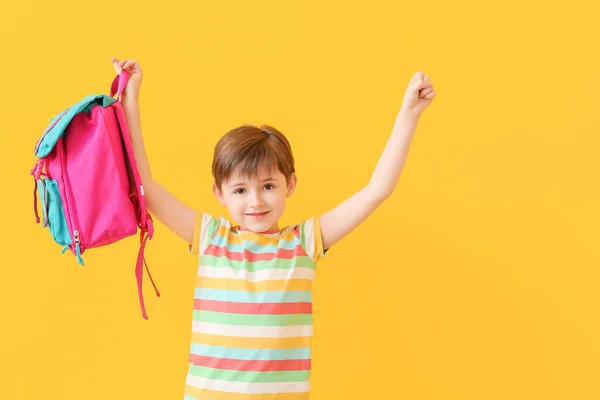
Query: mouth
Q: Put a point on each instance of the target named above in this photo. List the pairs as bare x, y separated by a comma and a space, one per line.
258, 215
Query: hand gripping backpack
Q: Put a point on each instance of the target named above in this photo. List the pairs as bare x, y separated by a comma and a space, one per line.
88, 182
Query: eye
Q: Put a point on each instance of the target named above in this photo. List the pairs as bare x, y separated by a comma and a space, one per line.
239, 191
269, 186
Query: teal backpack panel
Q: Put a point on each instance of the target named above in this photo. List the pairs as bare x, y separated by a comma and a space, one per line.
58, 124
53, 211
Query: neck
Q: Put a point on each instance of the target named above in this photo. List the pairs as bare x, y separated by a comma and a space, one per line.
273, 229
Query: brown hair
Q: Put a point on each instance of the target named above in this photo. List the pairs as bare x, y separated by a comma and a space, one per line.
248, 148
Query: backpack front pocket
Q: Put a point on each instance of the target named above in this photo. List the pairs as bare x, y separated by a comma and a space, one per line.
54, 212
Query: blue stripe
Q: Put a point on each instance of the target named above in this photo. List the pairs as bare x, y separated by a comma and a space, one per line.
258, 248
250, 354
241, 296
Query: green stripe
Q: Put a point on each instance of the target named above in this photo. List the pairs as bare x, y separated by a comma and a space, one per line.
249, 376
253, 319
302, 238
279, 263
213, 226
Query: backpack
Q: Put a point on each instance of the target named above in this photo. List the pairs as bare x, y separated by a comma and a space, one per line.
87, 179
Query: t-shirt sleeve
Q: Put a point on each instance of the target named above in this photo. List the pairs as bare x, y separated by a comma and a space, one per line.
311, 239
205, 227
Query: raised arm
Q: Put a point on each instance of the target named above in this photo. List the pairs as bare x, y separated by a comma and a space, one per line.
343, 219
167, 208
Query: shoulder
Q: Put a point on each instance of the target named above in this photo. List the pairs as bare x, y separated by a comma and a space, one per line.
206, 228
308, 233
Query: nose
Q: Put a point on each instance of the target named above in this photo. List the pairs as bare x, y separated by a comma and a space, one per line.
256, 200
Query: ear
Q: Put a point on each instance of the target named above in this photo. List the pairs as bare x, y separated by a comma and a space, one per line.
292, 184
218, 194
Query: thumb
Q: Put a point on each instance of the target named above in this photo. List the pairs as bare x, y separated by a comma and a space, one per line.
418, 76
116, 65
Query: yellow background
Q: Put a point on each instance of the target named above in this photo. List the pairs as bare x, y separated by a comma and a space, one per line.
478, 279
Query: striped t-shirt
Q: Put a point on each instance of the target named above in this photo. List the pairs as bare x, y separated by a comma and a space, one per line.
252, 319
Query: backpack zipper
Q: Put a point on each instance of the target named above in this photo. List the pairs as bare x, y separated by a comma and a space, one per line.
72, 210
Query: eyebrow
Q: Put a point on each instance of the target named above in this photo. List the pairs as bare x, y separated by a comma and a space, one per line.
243, 183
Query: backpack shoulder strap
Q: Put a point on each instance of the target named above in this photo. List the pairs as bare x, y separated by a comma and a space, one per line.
144, 220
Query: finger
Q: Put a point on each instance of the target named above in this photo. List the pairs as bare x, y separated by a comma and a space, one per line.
116, 65
431, 95
425, 92
427, 85
417, 77
423, 83
129, 64
120, 66
419, 84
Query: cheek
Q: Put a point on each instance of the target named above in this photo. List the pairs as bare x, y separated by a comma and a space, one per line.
278, 199
234, 204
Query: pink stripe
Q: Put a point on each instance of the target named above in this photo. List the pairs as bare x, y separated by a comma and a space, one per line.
250, 365
251, 257
253, 308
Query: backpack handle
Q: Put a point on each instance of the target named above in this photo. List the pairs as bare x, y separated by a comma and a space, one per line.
119, 84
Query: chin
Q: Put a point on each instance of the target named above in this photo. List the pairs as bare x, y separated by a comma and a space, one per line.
259, 226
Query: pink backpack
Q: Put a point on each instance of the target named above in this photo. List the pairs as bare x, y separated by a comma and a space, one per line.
88, 182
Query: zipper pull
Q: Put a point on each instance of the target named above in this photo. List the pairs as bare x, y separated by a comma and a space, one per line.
78, 247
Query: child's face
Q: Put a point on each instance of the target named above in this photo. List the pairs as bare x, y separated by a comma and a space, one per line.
256, 203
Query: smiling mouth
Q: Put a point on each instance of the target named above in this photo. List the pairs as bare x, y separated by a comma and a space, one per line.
258, 215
